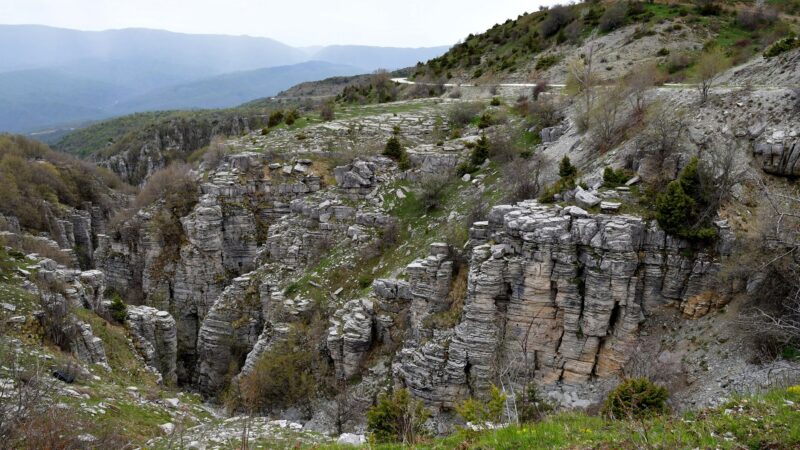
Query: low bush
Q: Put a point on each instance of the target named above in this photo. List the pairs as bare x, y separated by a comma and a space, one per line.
432, 190
397, 418
479, 413
275, 118
567, 173
461, 114
326, 111
291, 117
118, 309
636, 398
782, 46
547, 61
613, 178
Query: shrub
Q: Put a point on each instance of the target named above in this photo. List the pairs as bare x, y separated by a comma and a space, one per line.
678, 61
476, 412
662, 52
326, 111
462, 114
485, 121
614, 16
566, 169
531, 406
480, 152
432, 190
557, 17
282, 377
613, 178
275, 118
784, 45
393, 148
636, 398
291, 117
117, 308
547, 61
397, 417
681, 209
544, 112
495, 101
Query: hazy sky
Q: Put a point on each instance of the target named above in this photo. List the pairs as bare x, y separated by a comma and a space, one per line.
405, 23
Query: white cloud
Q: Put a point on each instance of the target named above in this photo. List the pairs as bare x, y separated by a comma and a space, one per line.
403, 23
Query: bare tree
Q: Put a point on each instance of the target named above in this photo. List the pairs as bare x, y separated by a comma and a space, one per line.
582, 75
606, 119
665, 131
709, 66
775, 313
638, 81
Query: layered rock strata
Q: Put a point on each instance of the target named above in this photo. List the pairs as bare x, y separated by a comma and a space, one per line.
553, 297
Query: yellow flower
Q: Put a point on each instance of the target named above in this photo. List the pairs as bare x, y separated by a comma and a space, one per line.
794, 389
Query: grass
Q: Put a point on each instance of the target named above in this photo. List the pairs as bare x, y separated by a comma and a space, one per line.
770, 420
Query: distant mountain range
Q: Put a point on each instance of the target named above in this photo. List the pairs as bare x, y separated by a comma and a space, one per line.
53, 76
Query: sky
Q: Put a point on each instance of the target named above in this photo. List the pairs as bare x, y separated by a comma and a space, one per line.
400, 23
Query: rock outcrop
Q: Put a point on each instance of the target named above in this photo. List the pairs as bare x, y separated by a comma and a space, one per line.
554, 297
780, 153
138, 157
155, 337
351, 336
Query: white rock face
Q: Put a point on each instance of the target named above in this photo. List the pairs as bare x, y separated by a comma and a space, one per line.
351, 439
155, 336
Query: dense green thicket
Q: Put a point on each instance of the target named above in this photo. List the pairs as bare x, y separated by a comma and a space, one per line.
32, 175
683, 209
636, 398
397, 417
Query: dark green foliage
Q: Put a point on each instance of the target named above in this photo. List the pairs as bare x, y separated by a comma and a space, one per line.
679, 210
495, 101
485, 121
636, 398
264, 132
117, 308
662, 52
567, 172
613, 178
397, 418
547, 61
291, 117
393, 148
275, 118
782, 46
477, 412
480, 152
566, 169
